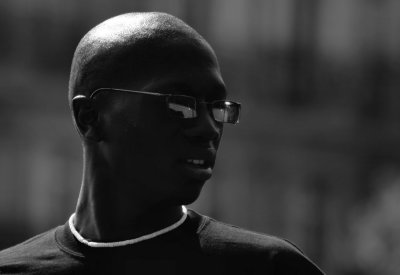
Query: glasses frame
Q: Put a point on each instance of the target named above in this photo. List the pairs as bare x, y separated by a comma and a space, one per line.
238, 105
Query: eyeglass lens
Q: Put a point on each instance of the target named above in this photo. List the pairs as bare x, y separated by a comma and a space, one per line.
185, 107
182, 106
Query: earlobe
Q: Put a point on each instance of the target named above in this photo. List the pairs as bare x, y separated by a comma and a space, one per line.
86, 118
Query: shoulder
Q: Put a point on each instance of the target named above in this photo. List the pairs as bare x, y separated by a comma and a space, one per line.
33, 256
29, 247
238, 240
264, 252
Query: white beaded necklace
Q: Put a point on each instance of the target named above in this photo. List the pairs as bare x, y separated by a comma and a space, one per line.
126, 242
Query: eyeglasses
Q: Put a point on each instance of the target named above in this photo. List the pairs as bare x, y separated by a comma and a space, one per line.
185, 107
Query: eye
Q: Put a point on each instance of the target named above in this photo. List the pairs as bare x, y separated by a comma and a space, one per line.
182, 106
226, 111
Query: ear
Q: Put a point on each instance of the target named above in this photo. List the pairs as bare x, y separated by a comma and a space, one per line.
86, 118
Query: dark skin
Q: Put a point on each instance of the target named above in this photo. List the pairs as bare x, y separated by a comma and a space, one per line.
135, 179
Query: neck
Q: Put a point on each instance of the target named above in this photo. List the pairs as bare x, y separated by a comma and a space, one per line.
104, 215
129, 241
95, 223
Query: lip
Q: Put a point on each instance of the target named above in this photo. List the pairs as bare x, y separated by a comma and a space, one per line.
195, 172
201, 173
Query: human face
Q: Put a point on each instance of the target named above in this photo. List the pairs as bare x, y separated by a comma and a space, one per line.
163, 158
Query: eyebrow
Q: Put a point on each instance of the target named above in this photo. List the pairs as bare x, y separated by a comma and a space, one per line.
175, 85
219, 90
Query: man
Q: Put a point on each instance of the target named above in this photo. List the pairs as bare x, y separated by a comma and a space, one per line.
149, 103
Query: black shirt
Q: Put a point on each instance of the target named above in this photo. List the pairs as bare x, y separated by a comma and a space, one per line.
201, 245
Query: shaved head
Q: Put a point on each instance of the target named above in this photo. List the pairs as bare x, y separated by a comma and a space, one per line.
128, 46
132, 135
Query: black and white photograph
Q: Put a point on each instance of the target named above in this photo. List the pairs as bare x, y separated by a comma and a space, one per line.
200, 137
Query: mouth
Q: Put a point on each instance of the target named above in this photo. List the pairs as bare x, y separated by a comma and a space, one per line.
197, 168
199, 163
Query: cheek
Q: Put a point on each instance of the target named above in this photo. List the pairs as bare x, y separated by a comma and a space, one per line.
147, 141
153, 143
157, 134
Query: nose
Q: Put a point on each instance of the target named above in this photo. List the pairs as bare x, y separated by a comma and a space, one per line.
204, 128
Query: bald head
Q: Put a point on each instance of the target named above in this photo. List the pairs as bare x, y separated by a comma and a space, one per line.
128, 46
133, 134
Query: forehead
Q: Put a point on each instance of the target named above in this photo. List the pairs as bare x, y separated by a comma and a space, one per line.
173, 64
202, 83
177, 68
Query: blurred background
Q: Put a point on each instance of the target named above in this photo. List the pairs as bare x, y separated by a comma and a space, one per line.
315, 158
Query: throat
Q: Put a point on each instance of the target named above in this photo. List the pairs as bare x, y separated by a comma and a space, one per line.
112, 233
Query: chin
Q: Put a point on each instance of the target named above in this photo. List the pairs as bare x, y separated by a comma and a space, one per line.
189, 200
189, 193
